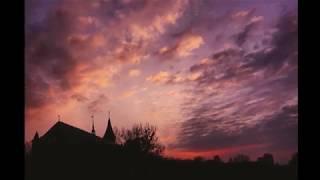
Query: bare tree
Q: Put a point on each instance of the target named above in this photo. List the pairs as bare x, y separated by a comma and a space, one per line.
142, 139
118, 133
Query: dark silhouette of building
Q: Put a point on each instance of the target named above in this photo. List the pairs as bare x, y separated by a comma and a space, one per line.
67, 152
65, 134
109, 134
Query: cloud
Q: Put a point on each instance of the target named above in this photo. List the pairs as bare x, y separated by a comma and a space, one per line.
88, 21
65, 47
187, 44
161, 77
277, 132
128, 93
198, 29
241, 14
96, 105
160, 15
183, 47
48, 61
164, 77
241, 37
134, 72
243, 97
79, 97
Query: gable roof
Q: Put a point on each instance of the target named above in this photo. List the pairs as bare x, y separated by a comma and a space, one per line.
65, 133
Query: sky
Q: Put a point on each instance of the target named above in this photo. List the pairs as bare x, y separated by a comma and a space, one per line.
216, 77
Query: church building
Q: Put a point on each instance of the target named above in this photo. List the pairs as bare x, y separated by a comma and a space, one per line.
67, 152
64, 134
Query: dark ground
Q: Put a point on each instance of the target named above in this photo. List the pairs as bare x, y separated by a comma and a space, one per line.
95, 163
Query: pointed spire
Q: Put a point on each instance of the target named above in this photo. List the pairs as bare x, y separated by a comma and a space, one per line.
93, 131
35, 141
109, 134
36, 137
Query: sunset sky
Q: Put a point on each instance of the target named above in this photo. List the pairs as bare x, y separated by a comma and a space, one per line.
214, 76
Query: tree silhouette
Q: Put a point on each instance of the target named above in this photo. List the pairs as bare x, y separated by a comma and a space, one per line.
217, 159
240, 158
198, 159
142, 139
266, 159
118, 134
294, 160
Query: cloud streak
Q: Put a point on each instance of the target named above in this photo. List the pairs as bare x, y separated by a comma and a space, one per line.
245, 97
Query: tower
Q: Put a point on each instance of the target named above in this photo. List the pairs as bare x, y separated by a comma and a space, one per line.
35, 141
93, 131
109, 134
35, 138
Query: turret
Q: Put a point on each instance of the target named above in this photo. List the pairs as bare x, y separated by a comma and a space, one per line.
109, 134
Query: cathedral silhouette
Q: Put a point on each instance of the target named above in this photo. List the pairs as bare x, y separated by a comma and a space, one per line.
67, 152
64, 134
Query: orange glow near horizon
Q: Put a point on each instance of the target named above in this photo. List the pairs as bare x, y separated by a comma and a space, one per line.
209, 154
